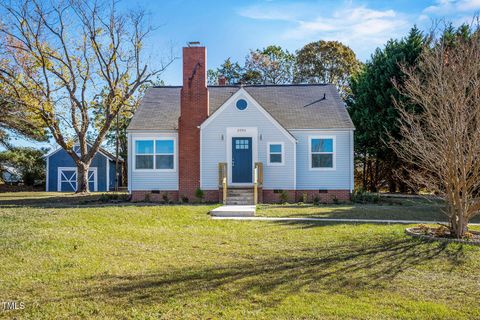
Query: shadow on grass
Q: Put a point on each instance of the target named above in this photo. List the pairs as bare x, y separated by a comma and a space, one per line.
335, 269
60, 201
359, 211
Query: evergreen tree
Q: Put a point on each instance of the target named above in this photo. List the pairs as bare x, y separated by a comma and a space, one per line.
373, 110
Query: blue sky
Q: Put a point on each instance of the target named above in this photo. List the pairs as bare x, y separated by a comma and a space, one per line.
232, 28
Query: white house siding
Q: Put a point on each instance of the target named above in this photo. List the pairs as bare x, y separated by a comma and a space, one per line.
339, 179
214, 149
151, 179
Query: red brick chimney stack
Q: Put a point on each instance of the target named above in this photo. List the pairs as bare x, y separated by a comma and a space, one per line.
222, 81
193, 111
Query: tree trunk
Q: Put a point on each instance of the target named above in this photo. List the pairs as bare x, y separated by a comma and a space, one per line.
364, 171
124, 174
392, 185
458, 225
82, 177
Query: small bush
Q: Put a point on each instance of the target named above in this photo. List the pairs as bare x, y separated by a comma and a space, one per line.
283, 197
147, 197
108, 197
362, 196
335, 200
316, 200
423, 228
468, 235
441, 231
184, 199
305, 197
199, 194
165, 197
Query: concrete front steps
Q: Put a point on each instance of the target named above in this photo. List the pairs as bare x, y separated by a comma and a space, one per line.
234, 211
240, 196
239, 204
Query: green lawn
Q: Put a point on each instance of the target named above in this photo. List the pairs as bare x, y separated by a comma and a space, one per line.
169, 262
389, 209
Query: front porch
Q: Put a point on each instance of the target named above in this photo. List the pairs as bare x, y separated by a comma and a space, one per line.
244, 195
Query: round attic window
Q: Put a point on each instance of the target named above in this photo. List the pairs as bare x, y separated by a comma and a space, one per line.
241, 104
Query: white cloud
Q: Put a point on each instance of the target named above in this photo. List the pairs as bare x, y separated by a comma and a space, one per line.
443, 7
360, 27
352, 23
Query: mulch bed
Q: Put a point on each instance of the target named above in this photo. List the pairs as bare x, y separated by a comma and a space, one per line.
442, 234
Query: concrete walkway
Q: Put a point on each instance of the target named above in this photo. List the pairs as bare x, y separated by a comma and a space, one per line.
233, 211
333, 220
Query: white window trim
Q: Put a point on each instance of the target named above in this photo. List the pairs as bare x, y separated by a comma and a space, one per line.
146, 138
282, 153
334, 153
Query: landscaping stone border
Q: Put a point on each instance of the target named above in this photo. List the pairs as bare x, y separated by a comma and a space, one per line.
412, 233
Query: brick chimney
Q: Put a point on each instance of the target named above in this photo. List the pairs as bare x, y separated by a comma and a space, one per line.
193, 111
222, 81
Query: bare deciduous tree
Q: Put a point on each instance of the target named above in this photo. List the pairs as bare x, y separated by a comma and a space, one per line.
442, 137
68, 60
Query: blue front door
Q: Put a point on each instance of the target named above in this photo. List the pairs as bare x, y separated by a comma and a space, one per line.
242, 160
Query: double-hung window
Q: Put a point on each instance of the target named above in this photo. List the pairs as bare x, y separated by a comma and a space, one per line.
164, 154
155, 154
275, 153
322, 153
144, 154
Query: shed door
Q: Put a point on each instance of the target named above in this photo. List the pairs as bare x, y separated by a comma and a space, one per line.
67, 179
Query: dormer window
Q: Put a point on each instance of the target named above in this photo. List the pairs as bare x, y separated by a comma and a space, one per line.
242, 104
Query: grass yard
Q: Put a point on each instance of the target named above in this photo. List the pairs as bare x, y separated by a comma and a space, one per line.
167, 262
389, 209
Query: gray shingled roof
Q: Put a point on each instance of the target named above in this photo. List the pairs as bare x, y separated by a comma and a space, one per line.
293, 106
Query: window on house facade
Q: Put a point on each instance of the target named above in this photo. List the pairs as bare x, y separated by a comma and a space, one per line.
275, 153
322, 153
144, 154
241, 104
164, 154
158, 154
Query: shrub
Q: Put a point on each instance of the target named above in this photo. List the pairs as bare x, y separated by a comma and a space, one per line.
184, 199
199, 194
147, 197
107, 197
468, 235
362, 196
423, 228
165, 197
316, 200
283, 196
335, 200
441, 231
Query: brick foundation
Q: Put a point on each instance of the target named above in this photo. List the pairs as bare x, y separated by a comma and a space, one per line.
212, 196
154, 196
264, 196
269, 196
328, 196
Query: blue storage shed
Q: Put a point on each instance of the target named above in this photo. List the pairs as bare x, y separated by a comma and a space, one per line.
61, 171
